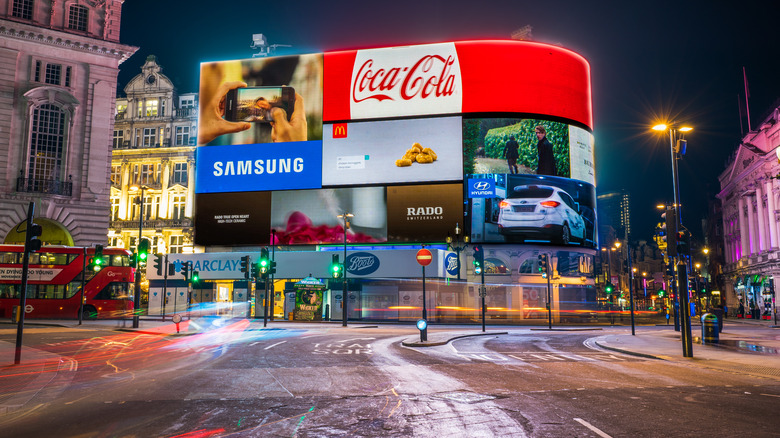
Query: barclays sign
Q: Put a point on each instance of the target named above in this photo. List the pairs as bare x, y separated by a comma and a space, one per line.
362, 263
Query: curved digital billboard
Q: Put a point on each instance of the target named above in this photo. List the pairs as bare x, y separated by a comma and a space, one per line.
442, 134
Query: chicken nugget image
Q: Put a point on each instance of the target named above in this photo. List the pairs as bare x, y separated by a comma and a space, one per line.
424, 158
403, 162
430, 152
417, 146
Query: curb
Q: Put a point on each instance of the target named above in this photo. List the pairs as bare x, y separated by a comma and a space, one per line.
445, 342
629, 352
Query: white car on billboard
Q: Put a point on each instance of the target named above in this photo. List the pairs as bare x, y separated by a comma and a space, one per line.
539, 212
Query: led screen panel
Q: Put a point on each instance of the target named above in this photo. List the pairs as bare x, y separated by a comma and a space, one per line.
311, 216
423, 213
533, 208
233, 218
384, 152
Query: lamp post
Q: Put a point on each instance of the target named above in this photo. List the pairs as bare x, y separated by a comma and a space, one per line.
137, 293
345, 216
677, 147
456, 246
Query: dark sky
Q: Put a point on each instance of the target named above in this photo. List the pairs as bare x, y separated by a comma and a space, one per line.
649, 60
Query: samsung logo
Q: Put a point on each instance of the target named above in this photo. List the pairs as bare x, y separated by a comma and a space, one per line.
362, 263
258, 167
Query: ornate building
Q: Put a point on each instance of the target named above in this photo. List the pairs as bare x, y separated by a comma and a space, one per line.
58, 72
153, 160
750, 199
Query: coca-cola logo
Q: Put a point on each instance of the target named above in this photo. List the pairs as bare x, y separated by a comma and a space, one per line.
362, 263
430, 75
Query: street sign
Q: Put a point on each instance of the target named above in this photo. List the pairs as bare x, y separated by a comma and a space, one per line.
424, 257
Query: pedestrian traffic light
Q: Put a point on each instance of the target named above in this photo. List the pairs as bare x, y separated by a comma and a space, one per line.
264, 263
158, 264
543, 264
143, 251
32, 242
479, 259
336, 270
609, 288
669, 230
97, 260
245, 262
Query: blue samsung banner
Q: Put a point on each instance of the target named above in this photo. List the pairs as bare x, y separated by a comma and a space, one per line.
259, 167
481, 188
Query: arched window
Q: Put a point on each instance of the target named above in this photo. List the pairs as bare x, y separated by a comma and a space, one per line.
47, 143
78, 17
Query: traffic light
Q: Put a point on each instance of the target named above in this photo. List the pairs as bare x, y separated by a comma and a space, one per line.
336, 270
158, 264
185, 271
245, 262
134, 260
683, 243
143, 251
195, 277
661, 293
32, 242
272, 269
264, 263
479, 259
609, 288
97, 260
255, 270
669, 228
543, 264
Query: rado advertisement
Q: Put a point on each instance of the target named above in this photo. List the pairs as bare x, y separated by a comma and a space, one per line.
423, 213
233, 218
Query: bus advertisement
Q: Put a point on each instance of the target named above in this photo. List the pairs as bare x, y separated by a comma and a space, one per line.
54, 283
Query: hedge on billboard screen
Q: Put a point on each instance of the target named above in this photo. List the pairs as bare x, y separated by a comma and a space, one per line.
233, 218
423, 213
395, 151
528, 146
535, 208
311, 216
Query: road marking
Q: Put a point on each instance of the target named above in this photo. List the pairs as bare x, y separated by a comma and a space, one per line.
358, 339
771, 395
592, 427
274, 345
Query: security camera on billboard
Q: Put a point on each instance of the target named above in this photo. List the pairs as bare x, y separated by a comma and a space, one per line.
264, 100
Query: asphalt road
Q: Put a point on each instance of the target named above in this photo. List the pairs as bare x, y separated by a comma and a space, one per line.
237, 379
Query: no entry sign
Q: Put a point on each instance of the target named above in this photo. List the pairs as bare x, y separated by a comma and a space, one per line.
424, 257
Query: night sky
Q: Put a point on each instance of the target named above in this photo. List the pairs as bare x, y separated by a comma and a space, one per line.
649, 61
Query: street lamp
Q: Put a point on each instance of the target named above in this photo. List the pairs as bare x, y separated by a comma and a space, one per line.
677, 145
455, 245
345, 217
137, 294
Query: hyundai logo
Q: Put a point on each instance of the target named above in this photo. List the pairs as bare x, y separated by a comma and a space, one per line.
481, 185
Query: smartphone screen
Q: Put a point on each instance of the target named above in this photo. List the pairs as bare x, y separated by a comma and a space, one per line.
254, 104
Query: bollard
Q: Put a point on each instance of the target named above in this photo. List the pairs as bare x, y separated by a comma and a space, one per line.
709, 329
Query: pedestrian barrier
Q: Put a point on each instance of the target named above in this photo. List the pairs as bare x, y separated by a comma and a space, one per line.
709, 329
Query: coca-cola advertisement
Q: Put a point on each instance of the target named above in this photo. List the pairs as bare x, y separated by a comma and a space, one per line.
392, 151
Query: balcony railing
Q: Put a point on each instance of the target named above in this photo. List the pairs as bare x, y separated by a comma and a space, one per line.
41, 185
151, 224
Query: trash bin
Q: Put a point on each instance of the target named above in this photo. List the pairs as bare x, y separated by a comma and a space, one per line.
709, 329
720, 314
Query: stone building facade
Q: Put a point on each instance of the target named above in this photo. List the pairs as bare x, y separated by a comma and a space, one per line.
750, 198
154, 157
58, 73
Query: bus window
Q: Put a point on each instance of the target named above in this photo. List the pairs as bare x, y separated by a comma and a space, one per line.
115, 291
9, 291
74, 287
54, 259
120, 260
10, 258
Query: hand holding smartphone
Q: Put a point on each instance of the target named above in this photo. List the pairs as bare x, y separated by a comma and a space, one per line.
254, 104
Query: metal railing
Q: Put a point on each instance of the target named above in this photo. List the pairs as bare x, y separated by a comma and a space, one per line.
42, 185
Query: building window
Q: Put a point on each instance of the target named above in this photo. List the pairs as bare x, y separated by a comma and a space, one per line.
178, 206
50, 73
77, 18
53, 74
182, 135
146, 174
119, 137
23, 9
116, 175
148, 210
114, 209
150, 137
177, 243
180, 173
151, 108
47, 143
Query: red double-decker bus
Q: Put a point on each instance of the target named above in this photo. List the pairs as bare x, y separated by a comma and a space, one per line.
54, 281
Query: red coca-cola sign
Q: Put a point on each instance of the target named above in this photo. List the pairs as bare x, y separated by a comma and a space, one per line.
516, 77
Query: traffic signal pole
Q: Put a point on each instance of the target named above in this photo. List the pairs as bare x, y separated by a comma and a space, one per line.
682, 271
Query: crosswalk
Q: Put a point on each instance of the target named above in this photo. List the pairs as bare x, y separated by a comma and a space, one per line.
549, 357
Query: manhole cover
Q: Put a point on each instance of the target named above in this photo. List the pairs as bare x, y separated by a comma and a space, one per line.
464, 397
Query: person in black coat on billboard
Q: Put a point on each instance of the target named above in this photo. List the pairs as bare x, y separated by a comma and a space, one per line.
546, 161
511, 154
